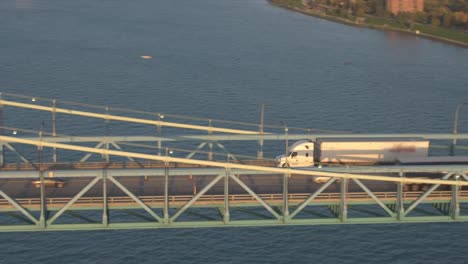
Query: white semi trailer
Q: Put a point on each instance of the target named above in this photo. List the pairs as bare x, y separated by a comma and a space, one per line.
353, 151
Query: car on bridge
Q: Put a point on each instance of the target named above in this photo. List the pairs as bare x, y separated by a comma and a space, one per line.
49, 183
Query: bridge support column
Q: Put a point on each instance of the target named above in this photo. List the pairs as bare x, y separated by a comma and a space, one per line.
455, 202
210, 145
260, 150
105, 207
261, 128
226, 216
286, 197
166, 192
2, 155
2, 152
400, 205
107, 128
343, 214
54, 129
159, 133
43, 213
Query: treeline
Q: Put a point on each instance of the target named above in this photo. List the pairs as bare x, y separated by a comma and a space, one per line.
446, 13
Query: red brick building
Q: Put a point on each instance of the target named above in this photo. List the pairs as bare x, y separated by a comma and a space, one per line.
396, 6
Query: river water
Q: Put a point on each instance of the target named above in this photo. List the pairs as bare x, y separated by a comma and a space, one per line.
222, 59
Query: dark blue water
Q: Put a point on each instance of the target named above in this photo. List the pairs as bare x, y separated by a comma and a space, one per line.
222, 59
427, 243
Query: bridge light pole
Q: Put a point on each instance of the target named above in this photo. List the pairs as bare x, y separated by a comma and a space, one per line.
261, 130
286, 143
455, 127
166, 186
2, 151
286, 176
158, 130
54, 129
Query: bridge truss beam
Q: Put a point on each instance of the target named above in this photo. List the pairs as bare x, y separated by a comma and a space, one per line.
218, 194
230, 194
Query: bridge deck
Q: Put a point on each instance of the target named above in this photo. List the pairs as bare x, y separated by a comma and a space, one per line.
177, 201
167, 188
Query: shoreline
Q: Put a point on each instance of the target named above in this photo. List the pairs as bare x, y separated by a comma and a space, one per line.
364, 25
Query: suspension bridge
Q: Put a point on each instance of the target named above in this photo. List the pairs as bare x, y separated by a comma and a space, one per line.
52, 181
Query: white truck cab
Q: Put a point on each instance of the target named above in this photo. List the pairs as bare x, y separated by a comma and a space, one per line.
300, 154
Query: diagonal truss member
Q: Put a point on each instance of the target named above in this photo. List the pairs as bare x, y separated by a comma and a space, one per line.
254, 195
72, 201
372, 195
136, 199
312, 197
424, 195
19, 207
194, 199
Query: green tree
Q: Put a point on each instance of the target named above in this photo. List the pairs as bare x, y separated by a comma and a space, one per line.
421, 17
360, 11
459, 5
460, 18
379, 8
447, 20
388, 14
343, 12
435, 21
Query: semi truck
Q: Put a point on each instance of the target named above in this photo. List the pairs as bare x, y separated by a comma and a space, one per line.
352, 151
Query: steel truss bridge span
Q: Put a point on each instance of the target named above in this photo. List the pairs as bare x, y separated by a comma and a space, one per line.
219, 195
164, 191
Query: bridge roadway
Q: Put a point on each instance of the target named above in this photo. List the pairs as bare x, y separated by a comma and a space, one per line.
111, 195
54, 166
165, 190
139, 189
145, 179
235, 200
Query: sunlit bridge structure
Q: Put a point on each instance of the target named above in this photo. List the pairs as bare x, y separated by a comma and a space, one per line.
180, 172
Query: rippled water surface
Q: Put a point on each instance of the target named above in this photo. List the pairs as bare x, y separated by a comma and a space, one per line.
222, 59
396, 243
